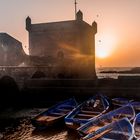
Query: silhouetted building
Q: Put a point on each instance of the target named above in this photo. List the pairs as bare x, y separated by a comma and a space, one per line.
11, 51
67, 45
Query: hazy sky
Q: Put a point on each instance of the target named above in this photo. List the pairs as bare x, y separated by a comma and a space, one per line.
118, 37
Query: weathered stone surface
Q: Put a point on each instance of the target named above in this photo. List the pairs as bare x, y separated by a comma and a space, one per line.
70, 44
11, 51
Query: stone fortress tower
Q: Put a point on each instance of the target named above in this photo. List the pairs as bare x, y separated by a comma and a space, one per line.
67, 46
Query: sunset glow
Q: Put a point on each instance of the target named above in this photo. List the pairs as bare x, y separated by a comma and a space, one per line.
117, 38
105, 46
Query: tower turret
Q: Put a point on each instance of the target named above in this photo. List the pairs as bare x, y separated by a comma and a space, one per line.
94, 26
79, 15
28, 23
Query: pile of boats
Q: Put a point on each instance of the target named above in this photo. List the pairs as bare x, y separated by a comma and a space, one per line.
96, 118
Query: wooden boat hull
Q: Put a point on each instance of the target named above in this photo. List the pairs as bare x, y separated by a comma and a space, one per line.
136, 105
118, 130
118, 102
44, 124
85, 112
136, 125
54, 115
96, 123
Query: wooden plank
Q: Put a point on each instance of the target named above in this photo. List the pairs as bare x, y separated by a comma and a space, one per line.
55, 113
89, 112
86, 115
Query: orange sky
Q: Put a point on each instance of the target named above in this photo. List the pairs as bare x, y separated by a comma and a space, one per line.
118, 24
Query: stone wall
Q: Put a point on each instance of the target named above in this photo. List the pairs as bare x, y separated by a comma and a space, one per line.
11, 51
70, 44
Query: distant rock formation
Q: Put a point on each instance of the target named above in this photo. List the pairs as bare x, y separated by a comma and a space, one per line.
135, 70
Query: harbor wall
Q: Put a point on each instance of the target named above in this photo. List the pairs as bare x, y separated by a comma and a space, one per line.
44, 92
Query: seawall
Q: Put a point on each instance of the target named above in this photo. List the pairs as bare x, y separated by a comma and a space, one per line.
48, 91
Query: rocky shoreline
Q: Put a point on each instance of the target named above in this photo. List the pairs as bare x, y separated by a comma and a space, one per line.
135, 70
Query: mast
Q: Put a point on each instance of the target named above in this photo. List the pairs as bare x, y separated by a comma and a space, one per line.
75, 8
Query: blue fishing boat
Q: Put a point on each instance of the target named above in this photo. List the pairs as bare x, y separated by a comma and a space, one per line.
120, 101
136, 105
54, 114
136, 125
101, 121
94, 107
118, 130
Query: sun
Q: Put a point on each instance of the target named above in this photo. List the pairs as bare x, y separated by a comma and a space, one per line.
101, 53
105, 46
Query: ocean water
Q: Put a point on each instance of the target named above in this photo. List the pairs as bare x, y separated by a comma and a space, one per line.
113, 75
